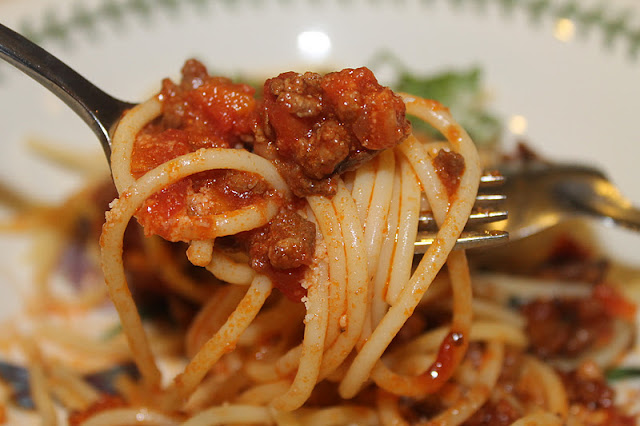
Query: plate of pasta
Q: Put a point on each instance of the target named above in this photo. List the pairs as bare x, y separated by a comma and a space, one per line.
246, 255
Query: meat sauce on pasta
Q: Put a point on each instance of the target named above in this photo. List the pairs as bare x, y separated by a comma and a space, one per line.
271, 234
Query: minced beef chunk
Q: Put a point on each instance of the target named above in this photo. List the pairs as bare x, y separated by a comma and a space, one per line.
292, 241
283, 249
314, 127
591, 397
214, 110
566, 327
494, 413
449, 166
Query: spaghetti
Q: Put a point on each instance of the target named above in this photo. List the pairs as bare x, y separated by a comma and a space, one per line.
301, 207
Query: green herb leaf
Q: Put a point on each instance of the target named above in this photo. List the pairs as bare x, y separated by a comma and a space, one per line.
623, 373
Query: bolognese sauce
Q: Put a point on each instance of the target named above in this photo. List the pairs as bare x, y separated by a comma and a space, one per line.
314, 127
311, 127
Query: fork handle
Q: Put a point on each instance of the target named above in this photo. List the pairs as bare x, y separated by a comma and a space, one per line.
98, 109
608, 205
626, 216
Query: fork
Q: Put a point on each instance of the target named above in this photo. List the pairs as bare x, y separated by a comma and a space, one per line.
538, 195
488, 209
101, 112
558, 192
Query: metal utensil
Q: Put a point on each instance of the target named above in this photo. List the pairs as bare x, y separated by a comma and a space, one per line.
101, 111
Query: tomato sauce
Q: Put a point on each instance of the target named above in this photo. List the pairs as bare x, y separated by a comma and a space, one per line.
201, 112
310, 127
450, 167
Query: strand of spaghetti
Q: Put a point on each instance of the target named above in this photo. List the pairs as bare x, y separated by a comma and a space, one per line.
452, 347
115, 350
212, 316
538, 419
362, 191
483, 308
228, 270
435, 257
406, 233
276, 320
379, 304
329, 226
165, 264
555, 394
464, 407
363, 186
123, 208
315, 331
389, 409
288, 362
222, 342
232, 414
344, 210
357, 281
63, 377
50, 246
261, 372
199, 252
292, 358
373, 214
129, 416
418, 156
284, 418
64, 395
408, 205
480, 331
342, 415
262, 394
216, 392
38, 383
124, 137
283, 362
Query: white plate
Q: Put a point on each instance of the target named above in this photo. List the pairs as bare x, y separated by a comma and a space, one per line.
570, 68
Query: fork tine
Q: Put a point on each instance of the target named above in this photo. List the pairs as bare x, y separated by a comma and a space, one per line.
477, 217
483, 212
490, 198
491, 179
467, 240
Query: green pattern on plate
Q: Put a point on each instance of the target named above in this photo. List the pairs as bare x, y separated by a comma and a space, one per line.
615, 26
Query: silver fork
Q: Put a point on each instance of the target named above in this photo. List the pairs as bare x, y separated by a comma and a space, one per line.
539, 195
489, 208
556, 192
101, 112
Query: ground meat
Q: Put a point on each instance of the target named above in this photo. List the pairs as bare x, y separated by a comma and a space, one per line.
199, 112
498, 411
566, 328
571, 260
287, 242
449, 166
282, 250
311, 127
213, 107
184, 210
591, 397
314, 127
494, 413
586, 386
330, 147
